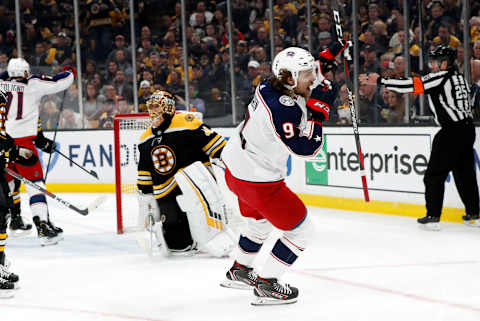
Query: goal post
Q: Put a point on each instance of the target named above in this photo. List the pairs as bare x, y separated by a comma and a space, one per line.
127, 129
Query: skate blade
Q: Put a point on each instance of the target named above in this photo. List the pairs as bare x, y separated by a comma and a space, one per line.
6, 294
50, 241
430, 227
235, 285
19, 233
271, 301
472, 223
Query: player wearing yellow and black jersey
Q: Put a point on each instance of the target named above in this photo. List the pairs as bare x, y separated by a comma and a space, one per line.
173, 142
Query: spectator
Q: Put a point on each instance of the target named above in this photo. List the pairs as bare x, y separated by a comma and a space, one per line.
342, 106
196, 103
175, 85
124, 107
200, 80
122, 63
122, 87
438, 19
49, 115
97, 80
38, 62
368, 105
398, 67
93, 102
144, 93
201, 14
147, 47
119, 44
72, 120
71, 98
100, 27
110, 73
395, 112
3, 62
160, 68
324, 40
370, 63
254, 77
445, 38
64, 54
476, 50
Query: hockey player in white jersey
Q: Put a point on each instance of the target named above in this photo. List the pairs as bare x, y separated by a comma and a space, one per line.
24, 92
279, 123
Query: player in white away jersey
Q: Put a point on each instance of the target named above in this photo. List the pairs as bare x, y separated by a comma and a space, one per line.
280, 122
24, 92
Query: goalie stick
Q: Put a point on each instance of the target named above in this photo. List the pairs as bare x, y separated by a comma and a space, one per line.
346, 58
96, 203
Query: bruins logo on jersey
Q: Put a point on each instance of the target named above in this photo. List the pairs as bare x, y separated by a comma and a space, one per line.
163, 159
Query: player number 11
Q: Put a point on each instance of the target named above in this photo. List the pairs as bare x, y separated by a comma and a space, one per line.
19, 105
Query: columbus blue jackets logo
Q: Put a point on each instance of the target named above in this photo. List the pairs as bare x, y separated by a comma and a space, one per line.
286, 100
290, 53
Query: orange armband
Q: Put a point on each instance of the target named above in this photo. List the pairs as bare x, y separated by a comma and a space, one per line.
417, 85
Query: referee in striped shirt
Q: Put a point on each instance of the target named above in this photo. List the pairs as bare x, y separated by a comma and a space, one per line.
452, 149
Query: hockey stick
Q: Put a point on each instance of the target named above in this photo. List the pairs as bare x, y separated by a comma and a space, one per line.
55, 133
347, 57
91, 172
96, 203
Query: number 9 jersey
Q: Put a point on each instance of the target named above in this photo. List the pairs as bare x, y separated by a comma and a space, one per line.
23, 100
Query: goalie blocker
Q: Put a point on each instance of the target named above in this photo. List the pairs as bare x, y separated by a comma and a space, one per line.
197, 216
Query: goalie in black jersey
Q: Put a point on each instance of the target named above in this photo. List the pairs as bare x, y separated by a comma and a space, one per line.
25, 157
179, 200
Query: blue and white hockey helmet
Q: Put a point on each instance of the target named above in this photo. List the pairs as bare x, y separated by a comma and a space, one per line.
17, 67
294, 60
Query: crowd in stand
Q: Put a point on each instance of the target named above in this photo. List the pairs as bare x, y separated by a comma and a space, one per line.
48, 43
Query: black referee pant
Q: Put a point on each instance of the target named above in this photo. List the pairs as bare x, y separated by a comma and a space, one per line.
452, 150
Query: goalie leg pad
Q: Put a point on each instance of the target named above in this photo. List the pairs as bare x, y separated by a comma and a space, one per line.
203, 203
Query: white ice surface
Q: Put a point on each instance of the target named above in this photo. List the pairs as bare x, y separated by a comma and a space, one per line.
359, 267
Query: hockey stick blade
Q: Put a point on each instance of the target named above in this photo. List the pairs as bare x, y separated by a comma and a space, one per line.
96, 203
91, 172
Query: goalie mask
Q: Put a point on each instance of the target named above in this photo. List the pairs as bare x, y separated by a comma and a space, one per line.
160, 103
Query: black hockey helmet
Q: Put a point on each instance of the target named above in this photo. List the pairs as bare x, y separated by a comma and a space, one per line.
442, 53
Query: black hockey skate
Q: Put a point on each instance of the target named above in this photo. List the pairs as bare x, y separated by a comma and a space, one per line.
46, 234
56, 229
18, 226
430, 223
271, 292
6, 289
240, 277
471, 220
9, 276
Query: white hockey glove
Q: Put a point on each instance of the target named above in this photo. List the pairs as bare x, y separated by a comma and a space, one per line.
147, 206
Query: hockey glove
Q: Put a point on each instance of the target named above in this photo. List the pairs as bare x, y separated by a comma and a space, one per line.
318, 110
22, 156
330, 57
71, 69
45, 144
